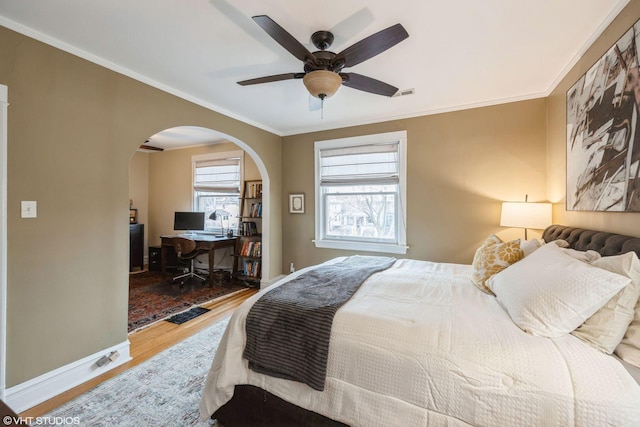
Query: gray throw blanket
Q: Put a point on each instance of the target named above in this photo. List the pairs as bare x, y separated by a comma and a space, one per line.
288, 328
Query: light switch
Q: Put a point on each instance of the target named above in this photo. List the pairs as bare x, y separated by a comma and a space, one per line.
28, 209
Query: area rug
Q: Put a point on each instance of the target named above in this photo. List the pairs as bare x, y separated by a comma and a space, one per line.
154, 296
180, 318
162, 391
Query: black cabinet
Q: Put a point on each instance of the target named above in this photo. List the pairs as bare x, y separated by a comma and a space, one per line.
154, 258
136, 247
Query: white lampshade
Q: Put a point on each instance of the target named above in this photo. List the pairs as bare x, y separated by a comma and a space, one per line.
526, 215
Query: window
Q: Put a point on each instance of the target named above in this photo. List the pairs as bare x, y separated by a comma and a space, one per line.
360, 193
216, 187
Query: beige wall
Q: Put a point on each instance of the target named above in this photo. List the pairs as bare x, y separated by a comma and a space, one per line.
461, 166
619, 222
72, 129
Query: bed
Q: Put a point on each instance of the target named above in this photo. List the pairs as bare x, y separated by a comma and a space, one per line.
419, 344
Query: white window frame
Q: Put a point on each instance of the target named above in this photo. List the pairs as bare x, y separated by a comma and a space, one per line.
214, 156
321, 241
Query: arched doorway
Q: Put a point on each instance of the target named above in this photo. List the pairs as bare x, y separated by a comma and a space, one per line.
194, 140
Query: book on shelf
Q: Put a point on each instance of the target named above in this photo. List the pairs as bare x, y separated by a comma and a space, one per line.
255, 210
253, 190
251, 248
248, 228
251, 268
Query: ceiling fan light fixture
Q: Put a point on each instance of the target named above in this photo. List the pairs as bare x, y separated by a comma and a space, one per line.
322, 83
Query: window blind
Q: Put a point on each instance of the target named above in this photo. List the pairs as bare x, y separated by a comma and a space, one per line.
217, 176
360, 165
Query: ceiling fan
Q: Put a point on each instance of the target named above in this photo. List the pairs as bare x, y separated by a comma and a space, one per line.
323, 74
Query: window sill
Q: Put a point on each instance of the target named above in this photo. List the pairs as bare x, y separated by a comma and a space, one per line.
362, 246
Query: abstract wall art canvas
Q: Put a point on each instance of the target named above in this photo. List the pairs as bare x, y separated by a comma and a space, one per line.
603, 132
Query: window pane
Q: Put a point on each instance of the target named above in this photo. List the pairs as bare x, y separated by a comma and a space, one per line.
226, 206
368, 215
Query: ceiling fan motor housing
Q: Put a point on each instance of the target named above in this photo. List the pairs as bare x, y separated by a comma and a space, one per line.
324, 60
322, 39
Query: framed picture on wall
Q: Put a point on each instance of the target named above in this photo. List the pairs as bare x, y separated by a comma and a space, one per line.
603, 132
133, 216
296, 203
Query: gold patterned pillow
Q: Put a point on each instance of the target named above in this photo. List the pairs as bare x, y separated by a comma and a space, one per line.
492, 257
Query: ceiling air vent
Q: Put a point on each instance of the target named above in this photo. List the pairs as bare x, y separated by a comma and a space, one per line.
404, 92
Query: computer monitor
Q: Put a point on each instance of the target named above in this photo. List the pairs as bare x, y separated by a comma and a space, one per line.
190, 221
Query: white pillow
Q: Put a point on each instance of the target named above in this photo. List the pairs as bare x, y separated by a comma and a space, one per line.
560, 243
550, 293
584, 256
629, 348
529, 246
605, 329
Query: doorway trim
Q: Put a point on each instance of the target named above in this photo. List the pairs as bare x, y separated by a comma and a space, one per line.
4, 103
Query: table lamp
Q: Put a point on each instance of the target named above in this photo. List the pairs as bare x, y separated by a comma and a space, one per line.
525, 215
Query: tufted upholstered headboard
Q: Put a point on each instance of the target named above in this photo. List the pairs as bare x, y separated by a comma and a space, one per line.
600, 241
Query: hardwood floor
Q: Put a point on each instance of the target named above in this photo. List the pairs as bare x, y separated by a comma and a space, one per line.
149, 342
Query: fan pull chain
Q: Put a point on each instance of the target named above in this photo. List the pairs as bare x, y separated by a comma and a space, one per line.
321, 108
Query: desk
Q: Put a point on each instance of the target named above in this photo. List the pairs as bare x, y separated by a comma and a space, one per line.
203, 242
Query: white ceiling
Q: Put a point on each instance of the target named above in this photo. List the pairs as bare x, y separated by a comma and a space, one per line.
459, 54
181, 137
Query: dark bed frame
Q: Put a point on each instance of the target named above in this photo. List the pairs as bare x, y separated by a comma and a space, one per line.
252, 406
607, 244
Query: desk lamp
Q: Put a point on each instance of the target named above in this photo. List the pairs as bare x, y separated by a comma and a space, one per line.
220, 214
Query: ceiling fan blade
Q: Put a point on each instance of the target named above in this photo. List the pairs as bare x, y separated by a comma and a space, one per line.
371, 46
274, 78
151, 147
367, 84
285, 39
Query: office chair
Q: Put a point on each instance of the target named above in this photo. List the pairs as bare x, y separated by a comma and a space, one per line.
186, 251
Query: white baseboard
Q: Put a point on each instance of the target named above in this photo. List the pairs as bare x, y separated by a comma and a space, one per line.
267, 283
37, 390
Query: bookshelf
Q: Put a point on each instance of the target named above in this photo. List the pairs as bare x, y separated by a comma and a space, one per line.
247, 263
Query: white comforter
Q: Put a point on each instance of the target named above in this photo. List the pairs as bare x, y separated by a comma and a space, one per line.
419, 345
